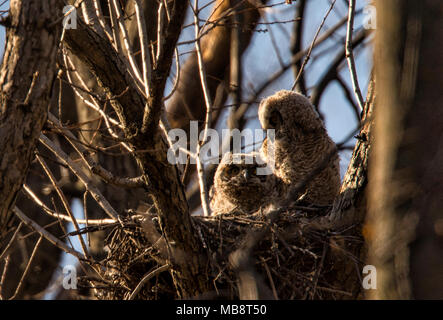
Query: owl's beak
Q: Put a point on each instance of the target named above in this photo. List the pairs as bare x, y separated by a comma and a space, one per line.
246, 174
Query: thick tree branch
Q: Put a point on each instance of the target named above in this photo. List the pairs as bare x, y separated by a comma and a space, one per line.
141, 131
26, 77
406, 186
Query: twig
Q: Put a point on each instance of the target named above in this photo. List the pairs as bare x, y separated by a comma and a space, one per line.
92, 164
350, 55
66, 160
177, 78
168, 15
31, 88
271, 281
90, 17
124, 32
335, 291
130, 64
318, 271
348, 95
3, 277
37, 228
146, 278
116, 39
101, 20
11, 241
308, 55
94, 104
235, 85
272, 38
331, 72
52, 213
296, 43
85, 214
146, 59
25, 273
160, 36
63, 200
200, 170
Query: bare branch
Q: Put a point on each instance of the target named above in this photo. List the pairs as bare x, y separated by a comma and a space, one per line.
348, 95
11, 241
36, 227
96, 168
27, 74
350, 55
63, 217
296, 44
331, 73
308, 55
63, 200
65, 159
146, 278
124, 33
146, 59
25, 273
200, 170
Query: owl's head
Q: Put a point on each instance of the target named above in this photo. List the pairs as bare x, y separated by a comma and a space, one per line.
288, 110
238, 181
240, 170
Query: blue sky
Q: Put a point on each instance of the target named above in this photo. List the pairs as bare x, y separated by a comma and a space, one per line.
260, 61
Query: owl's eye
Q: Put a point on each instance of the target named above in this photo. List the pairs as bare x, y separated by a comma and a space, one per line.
232, 170
276, 119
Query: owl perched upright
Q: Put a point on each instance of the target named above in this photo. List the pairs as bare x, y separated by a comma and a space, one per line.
301, 141
238, 186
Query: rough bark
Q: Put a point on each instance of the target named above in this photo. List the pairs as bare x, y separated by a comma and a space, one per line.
26, 79
350, 210
406, 188
27, 74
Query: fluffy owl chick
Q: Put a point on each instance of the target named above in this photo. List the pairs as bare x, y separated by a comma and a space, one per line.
301, 141
239, 186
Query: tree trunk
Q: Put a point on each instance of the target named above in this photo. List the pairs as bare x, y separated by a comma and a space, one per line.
406, 181
26, 77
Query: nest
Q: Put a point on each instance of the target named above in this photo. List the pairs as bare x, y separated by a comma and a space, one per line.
288, 256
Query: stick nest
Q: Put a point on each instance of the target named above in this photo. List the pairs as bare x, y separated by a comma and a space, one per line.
285, 256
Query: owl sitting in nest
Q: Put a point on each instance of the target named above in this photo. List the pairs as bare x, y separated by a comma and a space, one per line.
239, 186
301, 141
